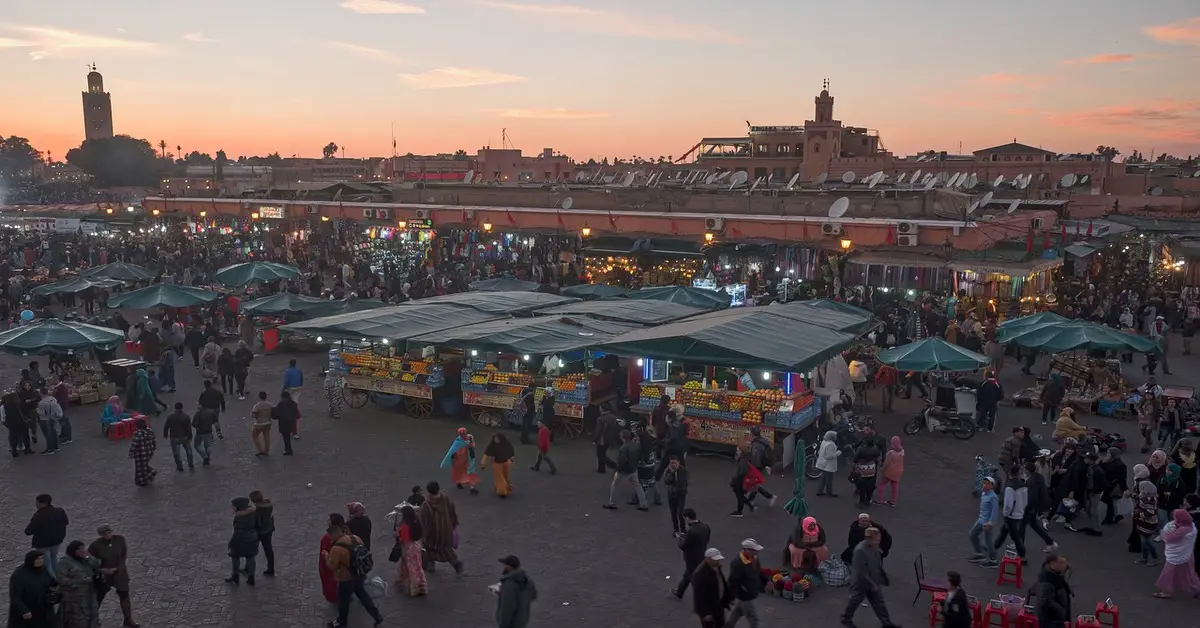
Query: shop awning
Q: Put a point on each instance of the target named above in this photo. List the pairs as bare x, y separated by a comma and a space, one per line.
751, 338
897, 258
685, 295
542, 335
826, 313
395, 324
642, 312
505, 284
1001, 266
1080, 250
514, 303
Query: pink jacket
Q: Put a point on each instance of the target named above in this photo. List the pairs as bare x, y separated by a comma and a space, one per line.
893, 465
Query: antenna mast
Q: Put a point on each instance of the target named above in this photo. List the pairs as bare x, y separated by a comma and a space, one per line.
504, 143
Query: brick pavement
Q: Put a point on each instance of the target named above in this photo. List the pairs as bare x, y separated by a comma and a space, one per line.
594, 568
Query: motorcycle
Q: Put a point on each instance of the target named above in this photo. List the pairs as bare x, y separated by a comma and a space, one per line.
849, 434
938, 419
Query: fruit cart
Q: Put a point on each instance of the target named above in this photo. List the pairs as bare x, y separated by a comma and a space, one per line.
490, 393
572, 394
724, 417
411, 377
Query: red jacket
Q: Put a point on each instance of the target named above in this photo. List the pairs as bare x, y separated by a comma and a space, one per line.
543, 439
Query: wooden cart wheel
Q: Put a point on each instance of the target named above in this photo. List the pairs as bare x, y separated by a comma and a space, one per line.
355, 398
418, 408
487, 417
571, 427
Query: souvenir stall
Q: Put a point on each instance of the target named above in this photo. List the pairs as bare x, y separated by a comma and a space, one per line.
897, 270
1000, 282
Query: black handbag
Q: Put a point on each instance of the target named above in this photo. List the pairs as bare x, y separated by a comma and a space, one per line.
396, 553
100, 582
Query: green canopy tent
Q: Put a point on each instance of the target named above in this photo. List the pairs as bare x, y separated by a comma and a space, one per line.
932, 354
346, 306
748, 338
684, 295
851, 320
163, 295
512, 303
57, 336
77, 284
642, 312
251, 272
286, 303
1009, 328
542, 335
591, 291
837, 306
121, 270
395, 324
505, 284
1071, 335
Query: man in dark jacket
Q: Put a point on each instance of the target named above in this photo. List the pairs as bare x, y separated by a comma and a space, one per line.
243, 543
1010, 454
987, 398
178, 430
745, 582
516, 595
956, 612
1052, 594
711, 594
676, 479
212, 398
1038, 504
48, 527
761, 458
867, 580
692, 544
607, 431
206, 421
264, 525
1115, 472
627, 461
286, 413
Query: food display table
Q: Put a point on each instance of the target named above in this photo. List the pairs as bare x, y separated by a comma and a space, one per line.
491, 393
415, 379
572, 394
725, 417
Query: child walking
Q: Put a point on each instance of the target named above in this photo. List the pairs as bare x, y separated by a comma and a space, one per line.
893, 470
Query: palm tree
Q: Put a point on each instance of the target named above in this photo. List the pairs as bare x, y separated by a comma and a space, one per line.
329, 150
162, 146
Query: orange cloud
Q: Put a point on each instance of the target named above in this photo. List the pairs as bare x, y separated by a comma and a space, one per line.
380, 7
1167, 113
367, 52
1185, 32
554, 113
451, 77
1101, 59
643, 25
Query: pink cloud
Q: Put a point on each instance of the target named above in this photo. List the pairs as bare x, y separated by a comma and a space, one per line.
1163, 115
1185, 32
1006, 80
1101, 59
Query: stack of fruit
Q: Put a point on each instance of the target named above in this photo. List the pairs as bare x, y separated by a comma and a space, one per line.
694, 386
568, 382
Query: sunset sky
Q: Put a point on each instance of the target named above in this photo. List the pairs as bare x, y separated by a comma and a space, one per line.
614, 78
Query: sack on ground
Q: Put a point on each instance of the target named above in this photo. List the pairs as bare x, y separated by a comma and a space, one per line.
834, 572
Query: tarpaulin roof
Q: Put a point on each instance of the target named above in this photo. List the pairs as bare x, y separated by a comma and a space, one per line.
77, 284
529, 336
1022, 324
685, 295
594, 291
162, 295
1072, 334
642, 312
250, 272
505, 284
516, 303
396, 323
285, 303
823, 313
751, 338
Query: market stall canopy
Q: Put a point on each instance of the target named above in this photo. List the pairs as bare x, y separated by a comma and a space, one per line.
77, 284
1009, 328
397, 323
932, 354
642, 312
851, 320
163, 295
595, 291
505, 284
288, 303
347, 306
749, 338
250, 272
57, 336
1071, 335
121, 270
685, 295
542, 335
515, 303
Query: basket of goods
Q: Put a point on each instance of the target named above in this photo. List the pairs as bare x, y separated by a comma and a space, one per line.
788, 590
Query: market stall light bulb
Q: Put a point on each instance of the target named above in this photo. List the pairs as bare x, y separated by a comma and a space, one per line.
319, 339
474, 353
561, 364
791, 271
766, 376
362, 339
641, 362
386, 341
525, 357
776, 269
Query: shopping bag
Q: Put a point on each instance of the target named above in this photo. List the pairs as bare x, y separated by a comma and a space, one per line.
1124, 506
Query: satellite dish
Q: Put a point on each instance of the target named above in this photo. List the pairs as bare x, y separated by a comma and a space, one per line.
580, 176
916, 176
721, 176
757, 182
1084, 179
822, 178
987, 198
1068, 180
874, 180
628, 180
930, 181
839, 207
770, 178
1023, 182
737, 179
997, 181
848, 176
568, 202
953, 180
1196, 174
1156, 191
900, 179
712, 177
792, 182
1012, 207
469, 177
971, 181
974, 206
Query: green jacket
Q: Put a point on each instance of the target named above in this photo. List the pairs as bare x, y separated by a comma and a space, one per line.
517, 593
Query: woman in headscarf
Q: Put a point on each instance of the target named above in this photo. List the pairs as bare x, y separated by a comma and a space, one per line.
461, 460
329, 585
806, 548
1179, 545
243, 543
1145, 521
30, 603
166, 369
112, 413
1192, 503
827, 463
858, 532
141, 449
208, 359
1171, 492
358, 523
410, 576
1157, 464
1185, 456
1140, 474
893, 470
145, 394
76, 574
500, 452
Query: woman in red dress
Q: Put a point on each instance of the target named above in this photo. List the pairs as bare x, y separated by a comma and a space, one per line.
328, 583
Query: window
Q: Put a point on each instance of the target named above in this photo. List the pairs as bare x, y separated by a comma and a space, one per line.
763, 149
783, 149
817, 147
779, 173
1029, 158
1007, 158
995, 158
760, 172
866, 141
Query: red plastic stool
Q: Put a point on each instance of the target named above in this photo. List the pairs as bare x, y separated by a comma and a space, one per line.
1010, 570
1108, 614
1027, 618
976, 611
1087, 621
935, 609
995, 615
120, 429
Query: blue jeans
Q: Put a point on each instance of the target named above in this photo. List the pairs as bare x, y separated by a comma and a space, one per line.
981, 540
185, 444
1149, 552
64, 428
204, 446
50, 432
51, 554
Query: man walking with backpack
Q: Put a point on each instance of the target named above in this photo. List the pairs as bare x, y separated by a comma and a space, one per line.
761, 457
350, 562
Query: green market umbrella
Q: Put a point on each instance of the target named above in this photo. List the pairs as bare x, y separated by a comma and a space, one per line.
684, 295
162, 295
57, 336
284, 303
77, 284
250, 272
121, 270
592, 291
932, 354
797, 505
1071, 335
1006, 330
